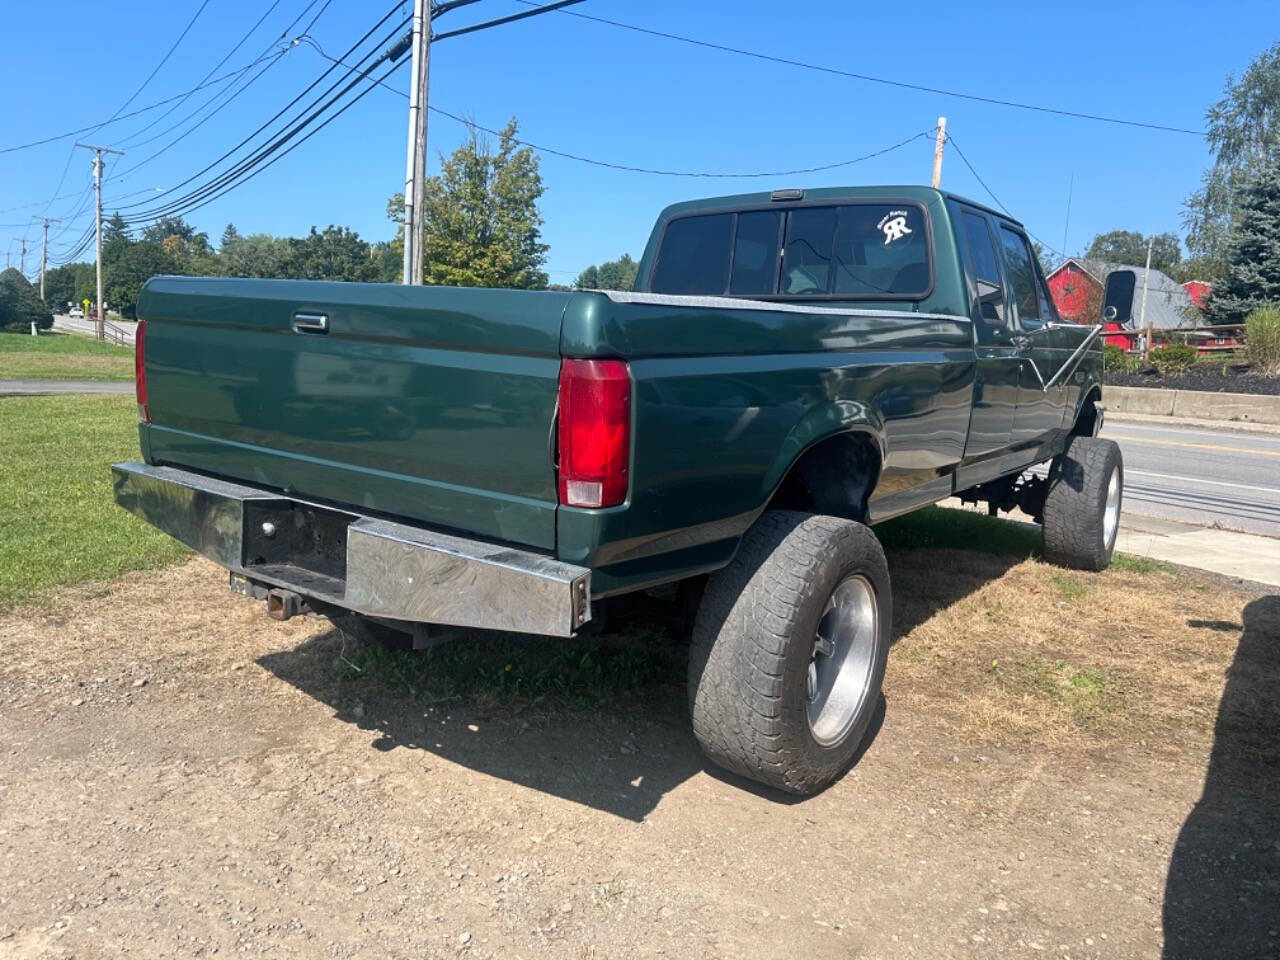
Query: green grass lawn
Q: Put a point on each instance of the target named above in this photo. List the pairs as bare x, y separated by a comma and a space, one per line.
62, 356
58, 522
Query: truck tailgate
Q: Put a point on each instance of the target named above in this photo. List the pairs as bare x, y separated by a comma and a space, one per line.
434, 404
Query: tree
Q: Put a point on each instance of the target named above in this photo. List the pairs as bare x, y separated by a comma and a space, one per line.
335, 253
617, 274
1253, 258
180, 237
69, 284
229, 237
1130, 247
483, 228
116, 229
20, 304
1243, 130
131, 266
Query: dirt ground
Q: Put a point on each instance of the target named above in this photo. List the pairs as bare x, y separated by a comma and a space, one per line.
1065, 766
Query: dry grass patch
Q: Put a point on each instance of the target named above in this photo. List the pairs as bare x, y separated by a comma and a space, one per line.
1023, 651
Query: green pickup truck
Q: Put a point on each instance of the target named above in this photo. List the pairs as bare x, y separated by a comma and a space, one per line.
790, 369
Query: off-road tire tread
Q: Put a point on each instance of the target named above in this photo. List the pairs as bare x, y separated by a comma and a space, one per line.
1075, 503
741, 634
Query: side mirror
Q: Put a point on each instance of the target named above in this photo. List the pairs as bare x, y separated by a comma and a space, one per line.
1110, 314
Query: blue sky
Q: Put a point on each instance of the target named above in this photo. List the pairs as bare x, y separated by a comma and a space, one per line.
627, 98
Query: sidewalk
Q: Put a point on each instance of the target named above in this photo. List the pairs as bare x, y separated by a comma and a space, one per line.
1224, 552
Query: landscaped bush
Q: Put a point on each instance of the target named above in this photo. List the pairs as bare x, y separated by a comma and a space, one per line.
1171, 361
1117, 360
1262, 338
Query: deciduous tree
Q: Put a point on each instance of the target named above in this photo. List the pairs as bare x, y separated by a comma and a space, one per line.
1243, 131
20, 304
1130, 247
617, 274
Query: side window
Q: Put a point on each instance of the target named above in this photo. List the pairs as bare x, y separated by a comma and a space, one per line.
694, 256
806, 264
1020, 268
982, 261
755, 253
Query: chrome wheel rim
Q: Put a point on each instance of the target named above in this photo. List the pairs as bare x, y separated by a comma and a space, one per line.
842, 659
1111, 513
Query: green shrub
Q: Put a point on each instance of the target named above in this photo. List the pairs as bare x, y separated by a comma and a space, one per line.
20, 304
1117, 360
1262, 339
1171, 361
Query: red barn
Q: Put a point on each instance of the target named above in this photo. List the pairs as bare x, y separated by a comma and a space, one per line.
1199, 291
1072, 286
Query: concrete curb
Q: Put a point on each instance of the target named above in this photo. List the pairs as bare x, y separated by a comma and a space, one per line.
1192, 404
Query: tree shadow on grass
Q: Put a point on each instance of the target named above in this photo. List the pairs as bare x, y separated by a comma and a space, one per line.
1222, 898
602, 719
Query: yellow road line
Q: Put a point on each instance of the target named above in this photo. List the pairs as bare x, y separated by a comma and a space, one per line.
1196, 446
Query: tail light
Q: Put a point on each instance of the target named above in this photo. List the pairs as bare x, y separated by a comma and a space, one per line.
140, 371
595, 432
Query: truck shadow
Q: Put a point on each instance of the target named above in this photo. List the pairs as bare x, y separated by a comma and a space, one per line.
620, 754
1222, 897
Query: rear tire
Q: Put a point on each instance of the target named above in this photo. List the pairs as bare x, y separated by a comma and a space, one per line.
1082, 506
789, 651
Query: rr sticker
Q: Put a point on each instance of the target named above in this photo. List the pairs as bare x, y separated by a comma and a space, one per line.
894, 226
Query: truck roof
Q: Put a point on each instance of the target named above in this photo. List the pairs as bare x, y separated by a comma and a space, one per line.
905, 191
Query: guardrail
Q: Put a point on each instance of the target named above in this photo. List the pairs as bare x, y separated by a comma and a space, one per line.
115, 334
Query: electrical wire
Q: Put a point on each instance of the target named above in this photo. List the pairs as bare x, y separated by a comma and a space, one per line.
183, 203
634, 169
280, 112
163, 60
977, 176
903, 84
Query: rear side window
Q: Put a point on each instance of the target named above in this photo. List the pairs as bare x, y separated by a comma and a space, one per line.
755, 253
1022, 276
864, 251
695, 255
981, 248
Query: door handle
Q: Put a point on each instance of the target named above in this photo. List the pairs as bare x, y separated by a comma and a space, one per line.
310, 323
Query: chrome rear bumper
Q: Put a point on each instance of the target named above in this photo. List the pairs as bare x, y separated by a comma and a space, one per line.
391, 570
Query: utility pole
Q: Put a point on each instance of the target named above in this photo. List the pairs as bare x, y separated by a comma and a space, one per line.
937, 152
1146, 275
44, 249
22, 258
97, 195
415, 171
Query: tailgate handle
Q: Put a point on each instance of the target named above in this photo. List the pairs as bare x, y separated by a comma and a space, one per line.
310, 323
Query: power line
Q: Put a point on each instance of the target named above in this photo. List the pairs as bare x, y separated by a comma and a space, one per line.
977, 176
634, 169
163, 60
903, 84
282, 111
133, 113
510, 18
238, 171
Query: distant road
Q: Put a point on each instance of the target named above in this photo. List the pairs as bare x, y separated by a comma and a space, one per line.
1228, 478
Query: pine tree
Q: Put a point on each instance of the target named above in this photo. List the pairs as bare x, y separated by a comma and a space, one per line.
1253, 270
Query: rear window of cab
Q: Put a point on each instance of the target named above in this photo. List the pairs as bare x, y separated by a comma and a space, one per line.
870, 251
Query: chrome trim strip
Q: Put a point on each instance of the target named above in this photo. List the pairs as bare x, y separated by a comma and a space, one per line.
782, 306
393, 570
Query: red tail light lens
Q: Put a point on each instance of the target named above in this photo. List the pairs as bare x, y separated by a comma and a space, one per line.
140, 371
595, 432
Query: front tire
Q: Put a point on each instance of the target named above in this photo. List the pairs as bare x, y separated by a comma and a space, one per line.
1082, 506
789, 651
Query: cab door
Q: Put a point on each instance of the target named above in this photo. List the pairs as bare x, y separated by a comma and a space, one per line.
1039, 347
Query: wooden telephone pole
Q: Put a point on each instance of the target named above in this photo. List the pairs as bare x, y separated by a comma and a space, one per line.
97, 194
44, 249
938, 144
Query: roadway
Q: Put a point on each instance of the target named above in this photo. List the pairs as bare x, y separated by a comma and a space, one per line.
1208, 476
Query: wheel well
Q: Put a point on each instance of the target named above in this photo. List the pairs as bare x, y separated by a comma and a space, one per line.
1087, 416
834, 476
